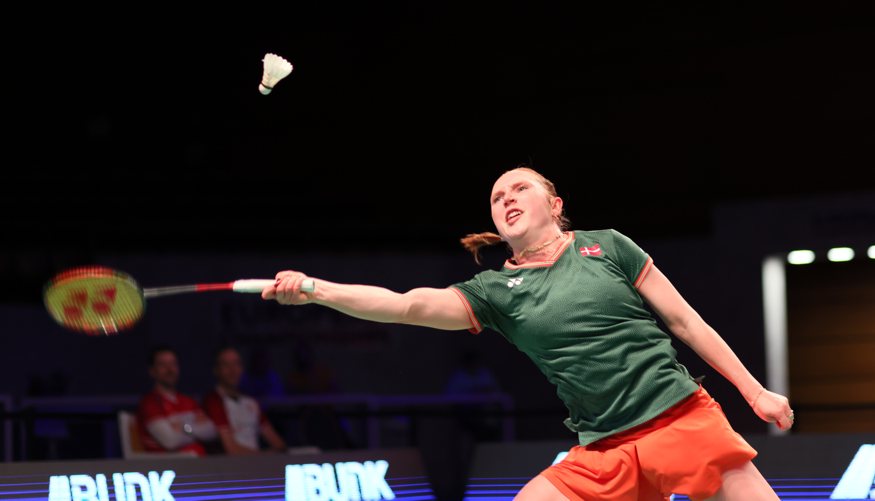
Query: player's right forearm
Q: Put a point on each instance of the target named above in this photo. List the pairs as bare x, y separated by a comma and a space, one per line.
362, 301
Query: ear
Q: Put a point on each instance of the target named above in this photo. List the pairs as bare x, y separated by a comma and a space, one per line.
556, 206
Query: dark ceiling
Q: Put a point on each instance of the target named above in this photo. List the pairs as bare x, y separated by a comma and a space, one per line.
146, 131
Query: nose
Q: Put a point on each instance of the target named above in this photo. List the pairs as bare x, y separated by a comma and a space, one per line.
509, 199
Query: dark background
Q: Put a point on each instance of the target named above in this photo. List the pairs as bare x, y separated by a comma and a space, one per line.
144, 130
141, 135
135, 137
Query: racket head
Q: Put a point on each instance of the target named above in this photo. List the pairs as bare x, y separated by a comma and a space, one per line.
94, 300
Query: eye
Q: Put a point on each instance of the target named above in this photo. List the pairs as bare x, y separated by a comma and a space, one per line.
522, 187
497, 198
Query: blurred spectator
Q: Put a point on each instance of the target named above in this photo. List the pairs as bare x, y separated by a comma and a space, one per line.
237, 416
168, 420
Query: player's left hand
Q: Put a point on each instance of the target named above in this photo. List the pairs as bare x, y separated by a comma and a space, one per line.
774, 408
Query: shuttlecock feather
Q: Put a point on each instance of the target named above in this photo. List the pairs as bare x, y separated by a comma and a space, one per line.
275, 69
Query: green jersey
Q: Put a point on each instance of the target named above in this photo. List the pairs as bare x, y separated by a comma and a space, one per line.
578, 316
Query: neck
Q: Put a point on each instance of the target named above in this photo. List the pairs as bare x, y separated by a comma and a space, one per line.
229, 390
542, 248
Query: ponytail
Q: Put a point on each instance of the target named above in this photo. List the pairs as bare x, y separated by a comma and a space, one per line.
474, 241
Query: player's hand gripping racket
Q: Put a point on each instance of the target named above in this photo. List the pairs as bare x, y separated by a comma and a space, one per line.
97, 300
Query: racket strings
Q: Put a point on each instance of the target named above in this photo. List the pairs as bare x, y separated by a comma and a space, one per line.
95, 302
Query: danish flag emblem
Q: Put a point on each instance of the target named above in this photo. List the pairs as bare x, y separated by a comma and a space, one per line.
595, 250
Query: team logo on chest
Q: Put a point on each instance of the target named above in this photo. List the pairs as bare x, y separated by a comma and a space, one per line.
595, 250
514, 281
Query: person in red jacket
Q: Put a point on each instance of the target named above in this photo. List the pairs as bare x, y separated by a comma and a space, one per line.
169, 421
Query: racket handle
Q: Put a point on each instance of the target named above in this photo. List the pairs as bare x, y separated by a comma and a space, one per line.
255, 285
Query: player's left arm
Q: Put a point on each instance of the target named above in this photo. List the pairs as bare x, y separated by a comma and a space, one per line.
685, 323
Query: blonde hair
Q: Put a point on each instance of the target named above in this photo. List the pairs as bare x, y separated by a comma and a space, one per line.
473, 242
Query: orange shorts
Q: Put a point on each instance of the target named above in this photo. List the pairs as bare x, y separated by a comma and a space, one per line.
684, 450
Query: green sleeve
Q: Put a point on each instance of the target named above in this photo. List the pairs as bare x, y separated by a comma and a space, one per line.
473, 294
631, 259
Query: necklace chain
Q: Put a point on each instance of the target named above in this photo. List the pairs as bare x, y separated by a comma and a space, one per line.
531, 250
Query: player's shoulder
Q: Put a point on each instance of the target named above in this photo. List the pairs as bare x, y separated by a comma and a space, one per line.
595, 235
481, 280
487, 280
609, 241
487, 275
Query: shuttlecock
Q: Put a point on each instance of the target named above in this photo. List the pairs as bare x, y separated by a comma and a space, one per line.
275, 69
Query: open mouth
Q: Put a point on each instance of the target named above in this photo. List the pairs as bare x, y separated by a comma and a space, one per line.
513, 215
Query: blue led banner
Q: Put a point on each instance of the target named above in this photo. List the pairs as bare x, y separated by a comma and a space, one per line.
355, 475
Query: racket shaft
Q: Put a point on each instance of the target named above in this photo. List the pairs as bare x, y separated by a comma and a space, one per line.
183, 289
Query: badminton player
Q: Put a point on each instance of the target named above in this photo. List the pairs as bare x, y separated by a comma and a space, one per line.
574, 303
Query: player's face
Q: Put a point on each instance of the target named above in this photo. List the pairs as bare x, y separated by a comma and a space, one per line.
165, 369
229, 368
521, 207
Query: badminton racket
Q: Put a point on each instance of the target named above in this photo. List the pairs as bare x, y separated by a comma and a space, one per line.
97, 300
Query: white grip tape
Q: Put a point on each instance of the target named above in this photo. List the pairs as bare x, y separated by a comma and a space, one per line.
252, 286
256, 285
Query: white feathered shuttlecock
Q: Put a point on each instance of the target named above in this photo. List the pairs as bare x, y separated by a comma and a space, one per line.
275, 69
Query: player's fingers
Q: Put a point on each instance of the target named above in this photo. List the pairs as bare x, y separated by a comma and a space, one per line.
299, 295
282, 289
286, 283
283, 274
289, 288
785, 421
299, 281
